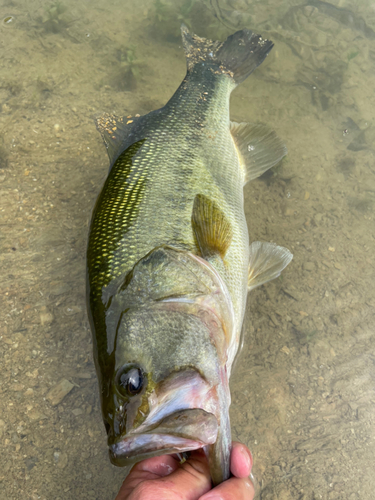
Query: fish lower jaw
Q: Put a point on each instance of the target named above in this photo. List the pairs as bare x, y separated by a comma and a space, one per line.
180, 431
136, 448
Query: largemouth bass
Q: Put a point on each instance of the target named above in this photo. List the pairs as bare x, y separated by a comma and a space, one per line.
169, 261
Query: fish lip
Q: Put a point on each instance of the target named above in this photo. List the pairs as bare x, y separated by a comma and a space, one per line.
130, 450
181, 431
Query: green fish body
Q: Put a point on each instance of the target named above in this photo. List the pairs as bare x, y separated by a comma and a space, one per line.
169, 262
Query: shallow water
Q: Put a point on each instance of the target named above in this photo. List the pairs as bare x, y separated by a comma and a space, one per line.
304, 388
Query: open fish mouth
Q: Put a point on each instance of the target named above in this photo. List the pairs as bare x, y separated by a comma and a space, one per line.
181, 431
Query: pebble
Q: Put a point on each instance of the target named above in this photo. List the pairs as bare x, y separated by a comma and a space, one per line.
2, 427
309, 266
58, 393
77, 411
17, 387
63, 462
35, 414
46, 318
84, 375
33, 374
61, 459
58, 288
288, 211
291, 293
7, 341
70, 310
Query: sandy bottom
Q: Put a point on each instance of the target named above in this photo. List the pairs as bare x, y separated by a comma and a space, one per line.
303, 391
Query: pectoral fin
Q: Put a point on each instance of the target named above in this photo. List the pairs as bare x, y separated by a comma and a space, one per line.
259, 148
266, 262
211, 227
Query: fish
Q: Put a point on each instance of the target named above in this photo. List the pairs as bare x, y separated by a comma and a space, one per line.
169, 263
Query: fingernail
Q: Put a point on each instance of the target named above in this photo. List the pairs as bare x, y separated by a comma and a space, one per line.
248, 458
161, 468
255, 482
214, 496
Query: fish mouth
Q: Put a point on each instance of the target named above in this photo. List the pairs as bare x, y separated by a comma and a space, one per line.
181, 431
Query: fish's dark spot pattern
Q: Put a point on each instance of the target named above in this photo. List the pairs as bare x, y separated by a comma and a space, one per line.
115, 212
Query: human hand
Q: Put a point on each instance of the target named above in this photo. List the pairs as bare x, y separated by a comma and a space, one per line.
164, 478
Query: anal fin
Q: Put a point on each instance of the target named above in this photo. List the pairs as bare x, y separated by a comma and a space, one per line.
259, 148
266, 262
212, 228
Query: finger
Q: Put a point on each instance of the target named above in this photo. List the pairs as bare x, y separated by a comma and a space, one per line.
161, 466
241, 460
163, 477
151, 468
192, 479
233, 489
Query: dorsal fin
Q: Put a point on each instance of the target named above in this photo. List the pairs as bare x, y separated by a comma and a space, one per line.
266, 262
114, 130
259, 148
211, 227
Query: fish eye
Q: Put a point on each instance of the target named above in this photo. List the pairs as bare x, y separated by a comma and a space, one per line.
130, 380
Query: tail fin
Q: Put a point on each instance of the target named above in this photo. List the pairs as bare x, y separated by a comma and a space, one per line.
237, 57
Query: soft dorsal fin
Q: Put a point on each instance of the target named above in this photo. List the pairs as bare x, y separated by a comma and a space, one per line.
259, 148
114, 130
211, 227
266, 262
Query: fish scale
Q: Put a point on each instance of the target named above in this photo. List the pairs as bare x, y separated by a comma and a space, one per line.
187, 123
115, 212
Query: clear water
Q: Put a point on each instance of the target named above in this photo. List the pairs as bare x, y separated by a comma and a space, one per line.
304, 389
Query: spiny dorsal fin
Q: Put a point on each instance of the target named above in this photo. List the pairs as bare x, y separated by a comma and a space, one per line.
114, 130
259, 148
266, 262
211, 227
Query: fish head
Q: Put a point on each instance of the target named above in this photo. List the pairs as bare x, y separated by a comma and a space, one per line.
167, 390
